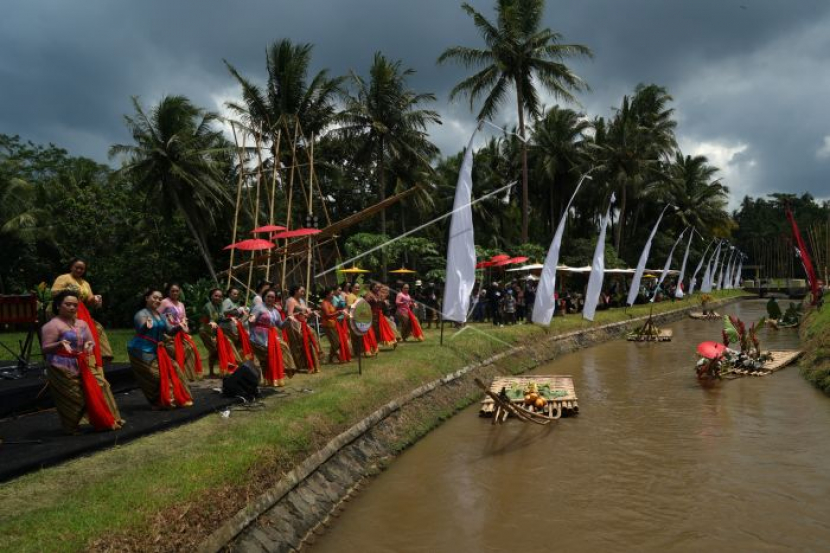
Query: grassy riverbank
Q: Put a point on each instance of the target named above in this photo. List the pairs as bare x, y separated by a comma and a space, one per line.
169, 490
815, 335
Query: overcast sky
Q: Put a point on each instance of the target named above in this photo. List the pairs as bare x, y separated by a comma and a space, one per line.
750, 78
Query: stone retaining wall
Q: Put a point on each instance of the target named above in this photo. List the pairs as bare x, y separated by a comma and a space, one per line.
304, 502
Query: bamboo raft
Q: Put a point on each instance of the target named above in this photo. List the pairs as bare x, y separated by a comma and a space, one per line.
564, 403
780, 359
701, 316
662, 336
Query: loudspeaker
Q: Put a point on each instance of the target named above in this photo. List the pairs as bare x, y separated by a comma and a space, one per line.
244, 382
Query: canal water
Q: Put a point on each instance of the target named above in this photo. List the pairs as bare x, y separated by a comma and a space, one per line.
653, 462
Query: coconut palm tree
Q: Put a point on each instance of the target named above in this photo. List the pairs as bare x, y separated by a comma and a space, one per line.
288, 96
701, 200
558, 152
385, 120
517, 54
633, 149
178, 163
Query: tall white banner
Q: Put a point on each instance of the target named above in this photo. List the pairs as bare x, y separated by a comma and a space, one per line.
545, 304
461, 252
678, 291
737, 282
667, 266
730, 267
693, 280
723, 268
707, 276
641, 265
597, 270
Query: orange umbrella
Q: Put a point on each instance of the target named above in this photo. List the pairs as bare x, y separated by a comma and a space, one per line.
403, 271
353, 271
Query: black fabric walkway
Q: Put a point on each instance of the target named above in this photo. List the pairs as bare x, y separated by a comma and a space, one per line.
35, 439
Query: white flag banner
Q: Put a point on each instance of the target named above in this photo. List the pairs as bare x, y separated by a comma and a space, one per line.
693, 280
667, 266
597, 270
678, 291
723, 269
461, 252
737, 282
707, 276
545, 304
641, 265
730, 267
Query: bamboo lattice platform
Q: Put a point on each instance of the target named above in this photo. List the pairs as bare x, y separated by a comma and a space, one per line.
700, 316
559, 405
663, 336
780, 359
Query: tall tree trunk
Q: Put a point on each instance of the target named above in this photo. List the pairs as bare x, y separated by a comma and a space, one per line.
382, 193
620, 221
197, 236
525, 200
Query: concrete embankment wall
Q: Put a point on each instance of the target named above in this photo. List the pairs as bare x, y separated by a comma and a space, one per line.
305, 501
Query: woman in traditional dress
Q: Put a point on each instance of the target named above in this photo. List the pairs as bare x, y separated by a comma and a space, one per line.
304, 346
220, 348
274, 357
333, 317
78, 386
407, 321
368, 340
383, 330
159, 377
74, 280
341, 304
235, 322
185, 351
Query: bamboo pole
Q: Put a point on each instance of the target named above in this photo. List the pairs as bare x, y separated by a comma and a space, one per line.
310, 214
238, 197
276, 162
258, 138
290, 197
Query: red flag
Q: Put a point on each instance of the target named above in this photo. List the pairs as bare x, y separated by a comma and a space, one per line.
801, 251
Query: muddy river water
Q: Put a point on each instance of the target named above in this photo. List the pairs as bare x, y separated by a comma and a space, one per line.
653, 462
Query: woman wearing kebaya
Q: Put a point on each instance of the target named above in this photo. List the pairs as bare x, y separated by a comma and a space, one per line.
78, 386
158, 376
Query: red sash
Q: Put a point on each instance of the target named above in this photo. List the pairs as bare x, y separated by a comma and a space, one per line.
97, 409
227, 363
83, 314
417, 333
247, 350
309, 346
370, 342
387, 335
168, 377
343, 334
275, 370
285, 328
181, 338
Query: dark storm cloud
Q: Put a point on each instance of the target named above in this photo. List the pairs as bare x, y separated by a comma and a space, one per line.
749, 77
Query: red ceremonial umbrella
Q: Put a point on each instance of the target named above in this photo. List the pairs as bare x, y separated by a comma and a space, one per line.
501, 263
296, 233
517, 260
711, 350
483, 264
267, 228
251, 244
500, 257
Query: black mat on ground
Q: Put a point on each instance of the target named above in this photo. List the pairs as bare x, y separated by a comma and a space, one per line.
27, 394
20, 453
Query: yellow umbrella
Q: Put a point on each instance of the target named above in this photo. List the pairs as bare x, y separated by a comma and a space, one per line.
403, 271
353, 271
